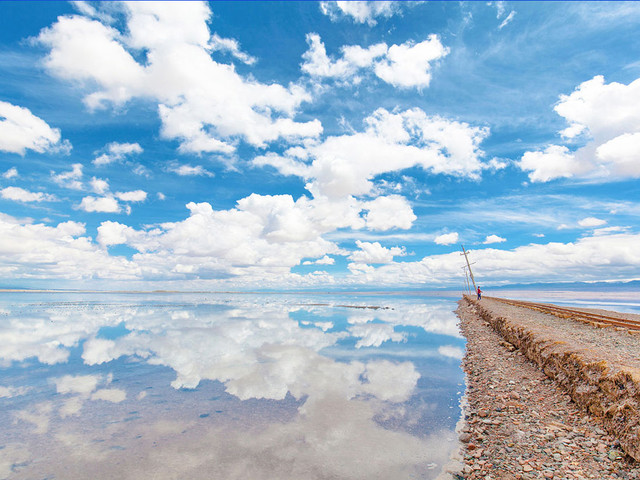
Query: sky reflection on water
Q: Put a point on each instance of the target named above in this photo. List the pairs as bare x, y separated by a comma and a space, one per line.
227, 386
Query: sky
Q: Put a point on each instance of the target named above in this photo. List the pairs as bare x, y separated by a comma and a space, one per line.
318, 145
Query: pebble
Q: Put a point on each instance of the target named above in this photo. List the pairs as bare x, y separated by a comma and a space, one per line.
521, 425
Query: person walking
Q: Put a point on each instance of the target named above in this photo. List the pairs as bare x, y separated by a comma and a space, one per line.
479, 294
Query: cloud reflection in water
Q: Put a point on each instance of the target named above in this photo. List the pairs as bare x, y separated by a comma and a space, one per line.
263, 387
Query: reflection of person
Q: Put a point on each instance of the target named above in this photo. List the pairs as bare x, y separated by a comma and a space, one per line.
479, 294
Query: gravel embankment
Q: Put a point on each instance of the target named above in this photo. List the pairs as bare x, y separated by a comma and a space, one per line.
523, 425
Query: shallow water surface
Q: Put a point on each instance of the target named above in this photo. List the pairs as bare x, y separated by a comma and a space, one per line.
225, 386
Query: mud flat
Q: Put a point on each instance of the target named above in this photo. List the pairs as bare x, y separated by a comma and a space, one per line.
547, 397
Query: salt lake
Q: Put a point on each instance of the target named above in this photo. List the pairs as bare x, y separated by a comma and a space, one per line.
226, 386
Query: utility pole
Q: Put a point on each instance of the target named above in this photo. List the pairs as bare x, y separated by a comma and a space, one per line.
464, 252
466, 280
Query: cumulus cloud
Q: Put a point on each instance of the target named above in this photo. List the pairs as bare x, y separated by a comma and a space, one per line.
447, 238
60, 252
600, 113
81, 384
554, 162
326, 260
385, 213
21, 130
263, 235
360, 11
375, 253
11, 173
116, 152
99, 185
21, 195
591, 222
346, 165
190, 171
205, 105
375, 334
606, 255
133, 196
409, 65
70, 179
493, 239
108, 202
100, 204
404, 66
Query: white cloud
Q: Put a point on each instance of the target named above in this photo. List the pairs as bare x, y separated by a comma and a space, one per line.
554, 162
591, 222
70, 179
21, 195
360, 11
375, 334
404, 66
188, 170
390, 381
114, 233
116, 152
263, 236
451, 351
205, 105
113, 395
346, 165
99, 204
318, 64
507, 20
446, 238
385, 213
231, 46
38, 416
10, 392
603, 114
621, 155
493, 239
99, 185
60, 252
409, 65
496, 164
326, 260
11, 173
20, 130
608, 255
375, 253
80, 384
86, 9
133, 196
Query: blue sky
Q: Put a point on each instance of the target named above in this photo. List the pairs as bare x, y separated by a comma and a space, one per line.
320, 145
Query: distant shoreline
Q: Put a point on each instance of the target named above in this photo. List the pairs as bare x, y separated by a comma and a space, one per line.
585, 296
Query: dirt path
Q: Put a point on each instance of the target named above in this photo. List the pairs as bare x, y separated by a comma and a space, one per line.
520, 424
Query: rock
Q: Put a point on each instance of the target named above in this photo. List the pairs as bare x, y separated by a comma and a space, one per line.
614, 455
465, 437
527, 468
